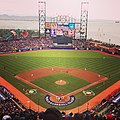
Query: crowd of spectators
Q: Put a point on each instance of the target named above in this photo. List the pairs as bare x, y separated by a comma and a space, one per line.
110, 106
105, 47
13, 45
81, 44
12, 109
96, 45
105, 44
20, 45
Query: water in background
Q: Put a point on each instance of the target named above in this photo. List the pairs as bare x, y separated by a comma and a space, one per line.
106, 31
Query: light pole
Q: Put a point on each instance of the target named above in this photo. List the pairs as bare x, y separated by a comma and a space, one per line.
109, 41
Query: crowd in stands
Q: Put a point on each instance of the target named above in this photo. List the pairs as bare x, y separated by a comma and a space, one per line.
96, 45
81, 44
13, 45
105, 44
20, 45
110, 106
12, 109
105, 47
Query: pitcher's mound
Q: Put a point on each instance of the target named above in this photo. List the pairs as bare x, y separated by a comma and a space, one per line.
60, 82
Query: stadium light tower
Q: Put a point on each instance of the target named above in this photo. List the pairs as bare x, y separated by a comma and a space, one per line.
42, 17
83, 20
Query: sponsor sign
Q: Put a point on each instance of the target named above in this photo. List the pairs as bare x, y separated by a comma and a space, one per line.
48, 25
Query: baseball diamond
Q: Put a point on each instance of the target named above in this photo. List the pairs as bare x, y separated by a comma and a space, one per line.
62, 64
60, 74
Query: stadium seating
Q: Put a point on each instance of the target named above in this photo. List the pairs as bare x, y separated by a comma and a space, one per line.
21, 45
12, 109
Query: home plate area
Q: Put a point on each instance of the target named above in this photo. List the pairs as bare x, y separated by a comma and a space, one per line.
59, 100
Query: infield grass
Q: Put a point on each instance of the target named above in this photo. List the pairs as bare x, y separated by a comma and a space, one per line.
48, 83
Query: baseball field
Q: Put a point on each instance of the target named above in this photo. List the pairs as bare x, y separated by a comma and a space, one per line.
60, 74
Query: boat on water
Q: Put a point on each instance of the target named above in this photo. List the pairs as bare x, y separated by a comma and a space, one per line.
117, 21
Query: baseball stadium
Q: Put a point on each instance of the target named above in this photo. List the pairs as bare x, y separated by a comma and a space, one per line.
57, 69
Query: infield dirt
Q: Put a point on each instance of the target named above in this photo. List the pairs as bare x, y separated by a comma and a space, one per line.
79, 73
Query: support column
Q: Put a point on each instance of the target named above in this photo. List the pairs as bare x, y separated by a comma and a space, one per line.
83, 20
42, 17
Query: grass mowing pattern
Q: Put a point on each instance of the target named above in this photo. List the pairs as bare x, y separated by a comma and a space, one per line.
48, 83
102, 64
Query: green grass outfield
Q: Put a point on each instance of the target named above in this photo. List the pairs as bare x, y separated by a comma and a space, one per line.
93, 61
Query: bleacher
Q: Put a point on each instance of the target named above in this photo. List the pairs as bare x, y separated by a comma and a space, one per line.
12, 109
108, 105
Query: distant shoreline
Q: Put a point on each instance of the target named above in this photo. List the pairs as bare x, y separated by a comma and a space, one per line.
10, 19
18, 20
36, 18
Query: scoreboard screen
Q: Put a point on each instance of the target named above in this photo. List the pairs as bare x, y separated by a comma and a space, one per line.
71, 26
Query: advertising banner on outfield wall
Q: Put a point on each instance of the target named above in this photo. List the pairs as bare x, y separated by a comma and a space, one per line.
51, 25
48, 25
60, 32
53, 32
71, 33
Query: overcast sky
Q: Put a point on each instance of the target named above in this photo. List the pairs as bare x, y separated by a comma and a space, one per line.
98, 9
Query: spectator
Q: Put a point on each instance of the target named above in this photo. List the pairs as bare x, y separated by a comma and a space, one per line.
52, 114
